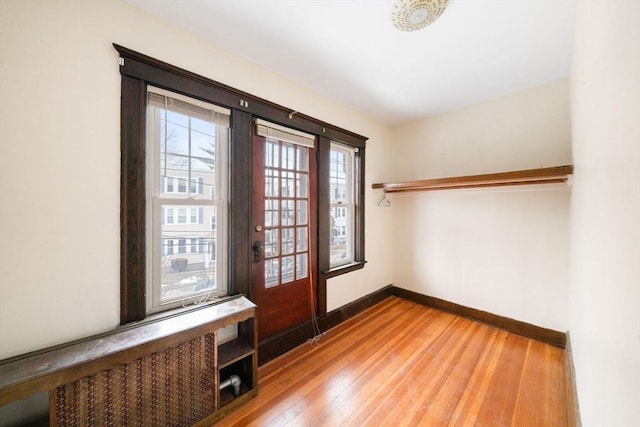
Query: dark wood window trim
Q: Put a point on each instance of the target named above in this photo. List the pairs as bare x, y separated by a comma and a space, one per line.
132, 196
138, 71
324, 220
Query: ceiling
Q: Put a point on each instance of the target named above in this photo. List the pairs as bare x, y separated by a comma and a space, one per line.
349, 50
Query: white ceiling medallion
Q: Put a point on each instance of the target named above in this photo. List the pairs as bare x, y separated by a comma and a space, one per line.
412, 15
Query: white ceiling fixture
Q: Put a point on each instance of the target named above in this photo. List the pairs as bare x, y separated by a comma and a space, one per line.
412, 15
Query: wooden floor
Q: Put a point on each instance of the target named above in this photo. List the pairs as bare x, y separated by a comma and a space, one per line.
403, 364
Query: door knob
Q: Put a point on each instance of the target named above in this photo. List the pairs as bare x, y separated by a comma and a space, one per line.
257, 251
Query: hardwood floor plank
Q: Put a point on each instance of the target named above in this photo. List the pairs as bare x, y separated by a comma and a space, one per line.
499, 401
469, 406
403, 364
538, 394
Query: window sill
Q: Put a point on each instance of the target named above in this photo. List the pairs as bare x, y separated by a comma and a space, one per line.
342, 269
178, 311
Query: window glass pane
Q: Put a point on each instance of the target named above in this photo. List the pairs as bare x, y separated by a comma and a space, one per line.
203, 179
188, 255
338, 177
338, 241
175, 133
172, 162
202, 139
202, 164
182, 185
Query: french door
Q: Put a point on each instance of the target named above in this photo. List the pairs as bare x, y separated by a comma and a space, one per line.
284, 233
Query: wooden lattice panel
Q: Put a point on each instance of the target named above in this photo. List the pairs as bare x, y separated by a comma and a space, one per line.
174, 387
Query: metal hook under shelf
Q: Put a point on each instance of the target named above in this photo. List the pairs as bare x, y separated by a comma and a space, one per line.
384, 202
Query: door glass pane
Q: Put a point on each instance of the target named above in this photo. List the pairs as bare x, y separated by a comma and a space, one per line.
287, 269
288, 156
287, 241
301, 214
301, 185
302, 159
272, 154
271, 243
271, 213
301, 239
301, 266
287, 212
272, 183
271, 272
288, 189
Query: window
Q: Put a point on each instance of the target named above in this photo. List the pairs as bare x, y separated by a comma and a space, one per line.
341, 204
186, 153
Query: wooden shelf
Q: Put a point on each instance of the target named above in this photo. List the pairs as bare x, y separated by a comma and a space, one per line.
558, 174
233, 351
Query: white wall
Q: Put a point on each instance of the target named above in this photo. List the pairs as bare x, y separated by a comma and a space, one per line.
500, 250
605, 215
59, 160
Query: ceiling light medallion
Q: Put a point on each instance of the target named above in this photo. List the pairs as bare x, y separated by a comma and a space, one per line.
412, 15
